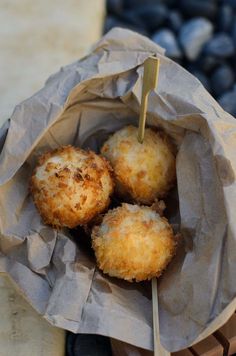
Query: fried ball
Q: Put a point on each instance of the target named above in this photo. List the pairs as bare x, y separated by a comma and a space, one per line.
133, 243
71, 186
143, 172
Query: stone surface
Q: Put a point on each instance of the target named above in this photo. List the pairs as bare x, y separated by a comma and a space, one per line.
222, 79
133, 4
171, 2
228, 102
192, 8
203, 79
114, 6
193, 35
208, 63
132, 18
112, 21
232, 3
205, 30
233, 31
153, 16
175, 20
220, 45
225, 18
166, 39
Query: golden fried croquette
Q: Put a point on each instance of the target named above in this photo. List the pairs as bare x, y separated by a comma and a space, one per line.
143, 172
133, 243
70, 186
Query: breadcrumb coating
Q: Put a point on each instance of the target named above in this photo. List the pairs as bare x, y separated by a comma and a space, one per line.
71, 186
133, 243
143, 172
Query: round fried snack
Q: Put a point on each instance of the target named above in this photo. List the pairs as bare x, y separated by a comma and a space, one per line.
143, 172
133, 243
71, 186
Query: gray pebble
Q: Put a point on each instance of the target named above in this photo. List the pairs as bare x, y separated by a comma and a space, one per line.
220, 45
166, 39
205, 8
115, 6
203, 79
113, 22
225, 18
231, 3
222, 79
228, 102
193, 36
175, 20
152, 16
208, 63
233, 31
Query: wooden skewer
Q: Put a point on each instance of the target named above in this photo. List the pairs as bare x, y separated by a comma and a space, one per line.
150, 79
159, 350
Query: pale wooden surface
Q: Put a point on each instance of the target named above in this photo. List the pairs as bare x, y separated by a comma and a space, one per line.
36, 39
22, 331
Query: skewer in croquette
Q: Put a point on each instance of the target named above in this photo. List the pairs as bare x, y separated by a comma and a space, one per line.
133, 243
143, 172
70, 186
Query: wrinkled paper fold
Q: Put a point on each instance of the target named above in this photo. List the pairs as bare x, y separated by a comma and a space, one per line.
81, 105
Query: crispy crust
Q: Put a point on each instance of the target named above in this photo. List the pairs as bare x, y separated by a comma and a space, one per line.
71, 186
133, 243
143, 172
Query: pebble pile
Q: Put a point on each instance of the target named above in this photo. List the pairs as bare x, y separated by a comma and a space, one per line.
198, 34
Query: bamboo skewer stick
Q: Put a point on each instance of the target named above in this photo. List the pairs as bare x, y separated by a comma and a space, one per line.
159, 350
150, 79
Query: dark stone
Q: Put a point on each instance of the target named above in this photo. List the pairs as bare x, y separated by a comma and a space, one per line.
111, 22
205, 8
139, 30
175, 20
153, 16
131, 18
88, 345
225, 18
228, 102
166, 39
232, 62
170, 3
208, 63
193, 35
231, 3
233, 31
178, 60
203, 79
191, 66
134, 4
222, 79
220, 45
115, 6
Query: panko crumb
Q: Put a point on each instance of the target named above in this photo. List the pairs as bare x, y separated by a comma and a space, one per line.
143, 172
71, 186
133, 243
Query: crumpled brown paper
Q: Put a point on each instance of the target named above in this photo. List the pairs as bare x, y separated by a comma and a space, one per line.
81, 105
